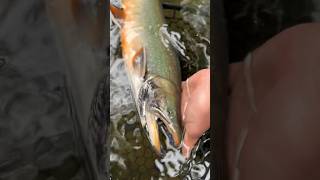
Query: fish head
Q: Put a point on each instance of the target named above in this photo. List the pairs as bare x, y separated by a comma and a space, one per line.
160, 110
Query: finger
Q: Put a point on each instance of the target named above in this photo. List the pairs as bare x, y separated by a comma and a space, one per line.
184, 103
183, 84
188, 144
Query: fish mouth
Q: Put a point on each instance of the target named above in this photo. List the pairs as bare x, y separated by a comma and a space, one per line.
158, 107
156, 123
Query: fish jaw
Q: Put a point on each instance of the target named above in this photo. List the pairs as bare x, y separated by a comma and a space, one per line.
151, 128
158, 102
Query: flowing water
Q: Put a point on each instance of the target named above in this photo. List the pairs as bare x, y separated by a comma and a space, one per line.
131, 156
42, 134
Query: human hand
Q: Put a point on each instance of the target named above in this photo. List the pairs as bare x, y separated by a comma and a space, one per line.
195, 108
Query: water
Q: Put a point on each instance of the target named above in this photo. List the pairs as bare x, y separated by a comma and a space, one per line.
131, 155
36, 130
252, 23
42, 134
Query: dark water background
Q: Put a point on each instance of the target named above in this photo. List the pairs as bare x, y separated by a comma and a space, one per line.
250, 23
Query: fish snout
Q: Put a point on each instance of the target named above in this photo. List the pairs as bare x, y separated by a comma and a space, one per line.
162, 114
162, 131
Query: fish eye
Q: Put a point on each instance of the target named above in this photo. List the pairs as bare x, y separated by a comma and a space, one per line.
170, 114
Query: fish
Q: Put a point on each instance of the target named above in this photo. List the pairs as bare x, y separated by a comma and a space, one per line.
153, 70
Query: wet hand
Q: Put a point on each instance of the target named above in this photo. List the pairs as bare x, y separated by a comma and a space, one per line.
195, 108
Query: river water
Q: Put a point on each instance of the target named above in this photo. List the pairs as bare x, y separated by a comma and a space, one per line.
50, 117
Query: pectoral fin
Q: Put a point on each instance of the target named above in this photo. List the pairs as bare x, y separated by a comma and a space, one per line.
140, 62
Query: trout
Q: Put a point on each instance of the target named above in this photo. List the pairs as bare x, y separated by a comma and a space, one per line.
153, 70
